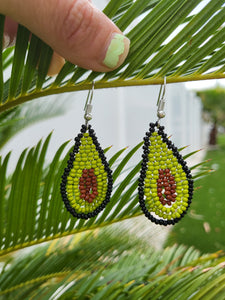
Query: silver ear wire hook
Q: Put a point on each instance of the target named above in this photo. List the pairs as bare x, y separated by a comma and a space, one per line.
88, 106
161, 101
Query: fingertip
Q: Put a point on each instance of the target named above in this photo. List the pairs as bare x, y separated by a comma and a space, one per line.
56, 64
97, 43
6, 41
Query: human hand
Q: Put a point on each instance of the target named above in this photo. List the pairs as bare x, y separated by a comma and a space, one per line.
75, 29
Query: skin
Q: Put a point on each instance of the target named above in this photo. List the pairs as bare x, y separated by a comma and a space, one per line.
75, 29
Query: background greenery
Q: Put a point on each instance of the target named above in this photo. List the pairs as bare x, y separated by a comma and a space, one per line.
172, 39
207, 210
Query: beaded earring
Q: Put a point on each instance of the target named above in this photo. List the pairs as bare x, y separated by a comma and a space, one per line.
165, 183
87, 180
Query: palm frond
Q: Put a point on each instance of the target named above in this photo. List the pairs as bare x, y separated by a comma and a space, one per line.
73, 269
31, 207
18, 118
183, 40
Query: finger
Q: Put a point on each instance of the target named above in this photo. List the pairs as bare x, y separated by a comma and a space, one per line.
10, 30
56, 64
75, 29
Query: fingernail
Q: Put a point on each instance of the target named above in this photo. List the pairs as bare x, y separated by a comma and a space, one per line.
117, 51
6, 41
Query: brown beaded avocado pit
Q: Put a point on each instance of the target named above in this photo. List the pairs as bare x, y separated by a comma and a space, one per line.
88, 185
166, 187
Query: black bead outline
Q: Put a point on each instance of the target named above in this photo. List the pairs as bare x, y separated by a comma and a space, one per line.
171, 146
108, 171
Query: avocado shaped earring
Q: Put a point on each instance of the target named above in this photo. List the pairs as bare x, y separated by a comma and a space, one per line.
87, 180
165, 182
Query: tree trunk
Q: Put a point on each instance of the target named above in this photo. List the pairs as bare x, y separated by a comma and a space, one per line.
213, 135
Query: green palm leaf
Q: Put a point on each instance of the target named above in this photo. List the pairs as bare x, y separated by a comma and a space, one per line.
31, 207
178, 39
18, 118
73, 269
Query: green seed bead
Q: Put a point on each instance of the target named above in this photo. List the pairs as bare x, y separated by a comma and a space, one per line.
160, 214
150, 168
152, 160
180, 211
158, 203
72, 173
173, 215
151, 148
177, 215
75, 166
152, 185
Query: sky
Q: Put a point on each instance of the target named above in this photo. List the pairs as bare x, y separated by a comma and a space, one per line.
204, 84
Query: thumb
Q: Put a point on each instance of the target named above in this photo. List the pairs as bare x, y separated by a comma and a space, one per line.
75, 29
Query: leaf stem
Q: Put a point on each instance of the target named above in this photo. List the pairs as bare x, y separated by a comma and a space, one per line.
104, 84
66, 233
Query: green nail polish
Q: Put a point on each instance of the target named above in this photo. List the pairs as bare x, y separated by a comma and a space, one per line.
115, 49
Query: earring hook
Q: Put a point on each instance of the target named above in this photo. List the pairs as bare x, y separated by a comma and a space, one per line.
88, 106
161, 101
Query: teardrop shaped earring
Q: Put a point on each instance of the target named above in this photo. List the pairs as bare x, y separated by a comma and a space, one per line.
165, 183
87, 180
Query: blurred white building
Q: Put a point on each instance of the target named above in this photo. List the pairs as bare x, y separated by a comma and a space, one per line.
121, 116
